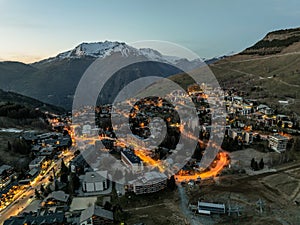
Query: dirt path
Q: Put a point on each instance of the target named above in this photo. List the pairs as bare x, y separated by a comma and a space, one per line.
266, 57
254, 75
291, 85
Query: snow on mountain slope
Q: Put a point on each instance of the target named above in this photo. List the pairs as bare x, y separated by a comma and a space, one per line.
96, 50
103, 49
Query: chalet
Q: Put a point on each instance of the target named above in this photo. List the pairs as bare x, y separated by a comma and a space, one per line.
79, 162
63, 143
37, 162
242, 135
56, 198
30, 137
36, 148
81, 203
6, 174
281, 117
33, 173
47, 151
265, 109
96, 215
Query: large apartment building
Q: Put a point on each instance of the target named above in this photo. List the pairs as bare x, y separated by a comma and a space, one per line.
131, 160
278, 143
149, 182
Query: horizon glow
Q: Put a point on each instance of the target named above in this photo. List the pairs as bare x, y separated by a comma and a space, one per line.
40, 29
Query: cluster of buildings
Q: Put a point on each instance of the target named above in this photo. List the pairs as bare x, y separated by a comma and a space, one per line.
262, 114
92, 214
44, 147
263, 118
55, 204
47, 144
60, 208
95, 182
6, 175
44, 217
242, 135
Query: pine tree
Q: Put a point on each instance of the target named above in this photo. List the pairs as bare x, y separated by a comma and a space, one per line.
64, 178
252, 163
64, 168
171, 183
107, 205
64, 172
8, 146
37, 194
261, 164
42, 189
256, 166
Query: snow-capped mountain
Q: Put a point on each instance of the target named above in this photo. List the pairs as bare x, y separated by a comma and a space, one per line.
106, 48
54, 80
96, 50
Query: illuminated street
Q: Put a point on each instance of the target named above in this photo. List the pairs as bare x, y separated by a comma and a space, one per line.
213, 171
26, 196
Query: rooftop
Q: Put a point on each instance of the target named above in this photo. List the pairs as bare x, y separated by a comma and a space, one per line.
29, 136
58, 195
278, 137
4, 167
96, 176
213, 205
95, 211
37, 160
150, 177
33, 171
131, 156
81, 203
33, 219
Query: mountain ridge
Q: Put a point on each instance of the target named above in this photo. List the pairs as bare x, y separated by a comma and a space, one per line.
54, 80
16, 98
268, 71
106, 48
271, 68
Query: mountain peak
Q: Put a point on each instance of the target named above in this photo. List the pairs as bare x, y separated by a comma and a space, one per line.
106, 48
94, 49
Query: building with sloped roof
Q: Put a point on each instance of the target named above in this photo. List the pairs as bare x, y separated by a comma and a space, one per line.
131, 160
81, 203
46, 219
96, 215
37, 162
95, 181
56, 198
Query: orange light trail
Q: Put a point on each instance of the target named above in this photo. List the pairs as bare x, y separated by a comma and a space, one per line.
149, 160
222, 162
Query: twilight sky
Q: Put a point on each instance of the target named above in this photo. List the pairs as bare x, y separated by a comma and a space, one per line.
35, 29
